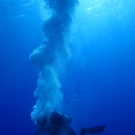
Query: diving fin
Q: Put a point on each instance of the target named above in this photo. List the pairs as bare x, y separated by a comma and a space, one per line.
92, 130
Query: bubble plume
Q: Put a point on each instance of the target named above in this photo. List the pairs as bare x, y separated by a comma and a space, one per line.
47, 57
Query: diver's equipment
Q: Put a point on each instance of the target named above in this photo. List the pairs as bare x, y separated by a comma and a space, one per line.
92, 130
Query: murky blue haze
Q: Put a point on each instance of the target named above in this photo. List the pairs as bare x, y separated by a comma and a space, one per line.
98, 77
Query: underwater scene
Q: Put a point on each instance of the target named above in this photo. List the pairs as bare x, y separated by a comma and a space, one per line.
67, 67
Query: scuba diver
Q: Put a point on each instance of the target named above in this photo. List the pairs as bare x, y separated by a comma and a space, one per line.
56, 123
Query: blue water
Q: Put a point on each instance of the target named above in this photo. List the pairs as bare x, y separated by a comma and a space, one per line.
98, 76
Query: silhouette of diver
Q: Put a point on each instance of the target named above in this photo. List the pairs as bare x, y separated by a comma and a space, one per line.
57, 123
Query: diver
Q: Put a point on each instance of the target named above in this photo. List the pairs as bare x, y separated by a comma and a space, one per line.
57, 123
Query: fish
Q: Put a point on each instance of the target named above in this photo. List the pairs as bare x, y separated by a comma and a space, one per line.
92, 130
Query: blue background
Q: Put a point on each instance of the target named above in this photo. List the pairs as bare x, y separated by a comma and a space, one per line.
99, 76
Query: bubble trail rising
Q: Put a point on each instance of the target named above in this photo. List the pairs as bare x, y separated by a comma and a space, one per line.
49, 54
